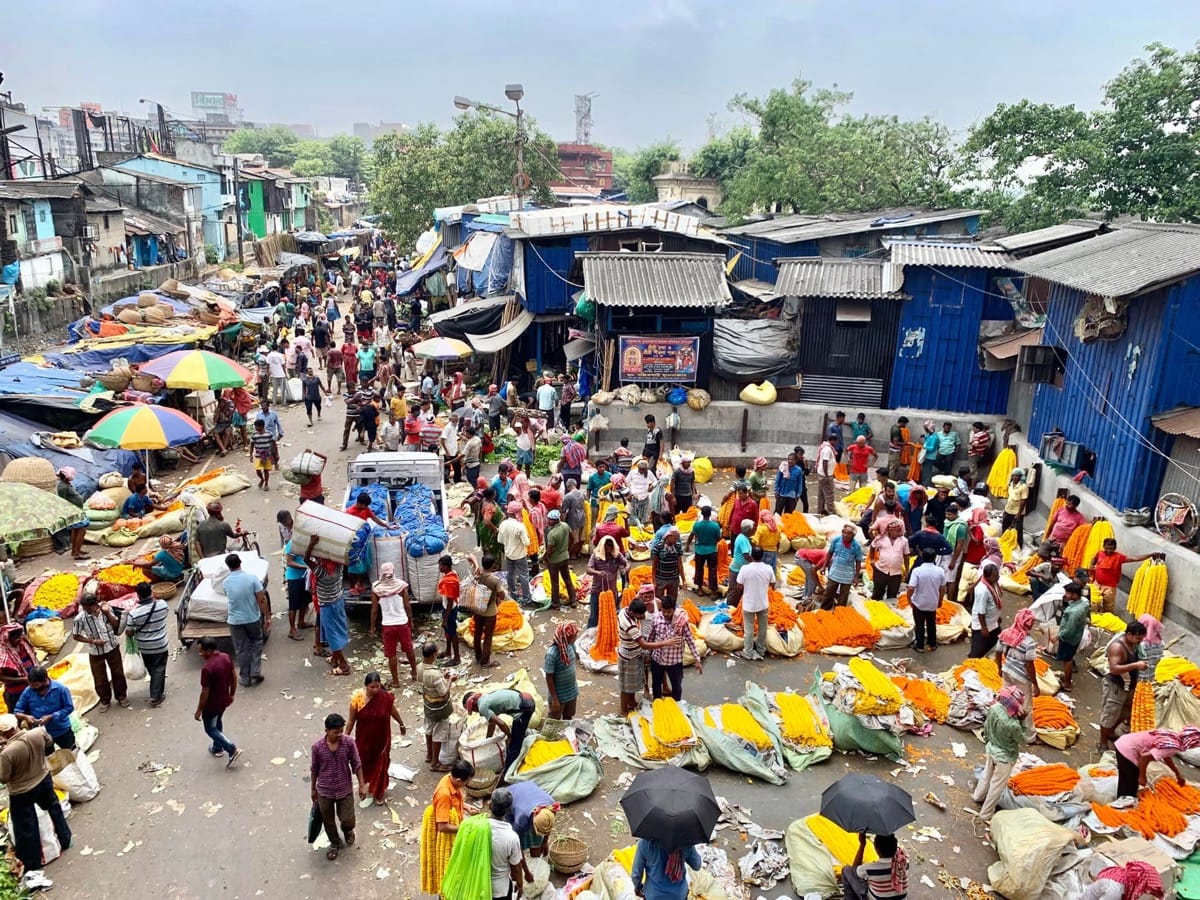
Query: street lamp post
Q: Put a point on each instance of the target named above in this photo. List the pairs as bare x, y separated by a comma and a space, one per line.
513, 92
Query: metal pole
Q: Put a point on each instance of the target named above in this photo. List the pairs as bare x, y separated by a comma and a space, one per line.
520, 159
237, 209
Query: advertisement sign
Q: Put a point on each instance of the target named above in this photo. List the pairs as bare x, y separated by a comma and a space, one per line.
213, 101
659, 358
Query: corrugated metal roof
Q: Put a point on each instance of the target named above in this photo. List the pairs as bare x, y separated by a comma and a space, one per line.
138, 221
1127, 261
964, 256
791, 229
1180, 420
38, 190
154, 178
759, 290
673, 280
1075, 228
102, 205
861, 279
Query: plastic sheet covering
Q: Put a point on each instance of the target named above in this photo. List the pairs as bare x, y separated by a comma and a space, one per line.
810, 862
100, 358
407, 281
17, 441
1029, 847
475, 317
731, 753
753, 348
28, 378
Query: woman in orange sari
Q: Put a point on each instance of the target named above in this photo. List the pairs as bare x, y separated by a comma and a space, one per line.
372, 710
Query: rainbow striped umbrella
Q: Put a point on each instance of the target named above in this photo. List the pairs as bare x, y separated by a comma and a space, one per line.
143, 427
442, 348
197, 370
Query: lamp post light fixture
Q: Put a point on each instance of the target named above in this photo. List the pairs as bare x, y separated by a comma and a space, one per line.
514, 92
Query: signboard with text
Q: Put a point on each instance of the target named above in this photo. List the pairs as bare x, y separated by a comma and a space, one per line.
646, 359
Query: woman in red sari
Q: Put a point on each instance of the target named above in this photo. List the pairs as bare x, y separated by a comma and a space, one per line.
372, 710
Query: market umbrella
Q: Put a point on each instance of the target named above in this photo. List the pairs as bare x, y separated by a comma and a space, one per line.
672, 806
28, 512
197, 370
859, 803
442, 348
144, 427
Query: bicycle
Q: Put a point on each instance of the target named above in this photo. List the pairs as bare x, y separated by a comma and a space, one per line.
249, 541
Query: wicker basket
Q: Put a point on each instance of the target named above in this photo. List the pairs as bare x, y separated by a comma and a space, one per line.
148, 384
567, 854
31, 470
207, 318
36, 547
114, 381
164, 590
482, 784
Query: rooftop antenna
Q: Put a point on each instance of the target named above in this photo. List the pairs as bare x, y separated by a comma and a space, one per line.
583, 117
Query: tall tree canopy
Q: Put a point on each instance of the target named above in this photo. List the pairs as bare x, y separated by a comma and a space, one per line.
276, 143
805, 156
632, 172
1136, 155
426, 168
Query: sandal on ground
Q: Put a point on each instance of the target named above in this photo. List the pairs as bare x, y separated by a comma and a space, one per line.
338, 672
349, 836
82, 556
331, 854
295, 636
438, 767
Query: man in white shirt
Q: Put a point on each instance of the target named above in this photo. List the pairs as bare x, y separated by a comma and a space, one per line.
515, 540
277, 368
826, 463
508, 877
392, 433
756, 578
449, 447
641, 482
547, 400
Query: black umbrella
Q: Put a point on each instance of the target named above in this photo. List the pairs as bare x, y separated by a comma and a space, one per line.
866, 803
671, 806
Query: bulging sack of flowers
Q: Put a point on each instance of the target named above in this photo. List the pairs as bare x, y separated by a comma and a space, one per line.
732, 739
55, 591
759, 394
703, 468
698, 398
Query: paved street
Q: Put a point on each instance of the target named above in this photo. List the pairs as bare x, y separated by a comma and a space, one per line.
194, 830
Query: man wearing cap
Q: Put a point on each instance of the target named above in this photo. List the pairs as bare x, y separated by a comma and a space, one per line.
558, 557
26, 774
97, 626
1004, 736
514, 538
532, 818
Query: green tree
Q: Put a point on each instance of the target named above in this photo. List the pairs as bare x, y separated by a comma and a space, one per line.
349, 157
1039, 163
276, 143
808, 157
724, 156
313, 158
420, 170
632, 172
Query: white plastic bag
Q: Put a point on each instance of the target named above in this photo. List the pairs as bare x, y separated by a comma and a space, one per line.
79, 779
131, 659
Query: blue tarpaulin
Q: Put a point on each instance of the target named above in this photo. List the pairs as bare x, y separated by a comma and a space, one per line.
406, 281
181, 307
28, 378
99, 359
16, 441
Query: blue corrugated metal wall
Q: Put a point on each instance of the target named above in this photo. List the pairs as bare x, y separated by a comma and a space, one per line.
757, 260
937, 348
1111, 388
547, 268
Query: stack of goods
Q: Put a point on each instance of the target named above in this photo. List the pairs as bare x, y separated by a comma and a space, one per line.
800, 722
736, 720
842, 845
425, 539
876, 695
839, 627
1141, 716
1178, 668
862, 692
931, 700
945, 611
984, 669
796, 528
57, 592
117, 581
1054, 723
1149, 590
973, 685
953, 620
1044, 781
895, 631
665, 733
784, 638
1161, 810
604, 649
1015, 579
685, 521
997, 480
337, 532
542, 751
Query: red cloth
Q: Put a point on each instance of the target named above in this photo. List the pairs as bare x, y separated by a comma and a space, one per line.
373, 729
362, 512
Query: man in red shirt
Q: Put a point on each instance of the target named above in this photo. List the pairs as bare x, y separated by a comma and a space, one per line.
552, 493
1105, 571
745, 509
448, 588
313, 489
861, 456
217, 687
1064, 521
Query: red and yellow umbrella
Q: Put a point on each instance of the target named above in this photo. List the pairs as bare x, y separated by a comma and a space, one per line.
197, 370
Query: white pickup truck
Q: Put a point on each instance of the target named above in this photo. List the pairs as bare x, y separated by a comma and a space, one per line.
399, 472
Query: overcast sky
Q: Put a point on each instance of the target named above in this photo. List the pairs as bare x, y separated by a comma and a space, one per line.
660, 68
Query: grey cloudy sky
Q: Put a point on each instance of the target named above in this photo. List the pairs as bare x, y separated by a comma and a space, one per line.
660, 67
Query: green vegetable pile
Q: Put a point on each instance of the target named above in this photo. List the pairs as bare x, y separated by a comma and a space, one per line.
544, 455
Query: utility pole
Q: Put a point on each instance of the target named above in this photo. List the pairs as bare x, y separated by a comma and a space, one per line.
521, 178
237, 209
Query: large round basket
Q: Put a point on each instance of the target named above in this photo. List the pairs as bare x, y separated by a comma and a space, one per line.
36, 547
147, 384
482, 784
30, 470
207, 318
114, 381
164, 590
567, 854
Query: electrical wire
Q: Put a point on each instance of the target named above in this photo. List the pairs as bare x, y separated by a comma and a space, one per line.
532, 246
1131, 429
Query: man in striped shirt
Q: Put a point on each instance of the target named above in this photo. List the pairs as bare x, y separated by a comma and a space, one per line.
148, 623
266, 453
97, 626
